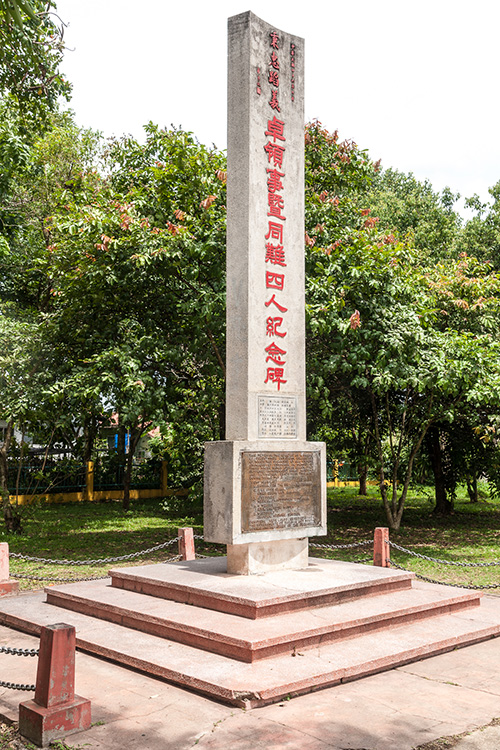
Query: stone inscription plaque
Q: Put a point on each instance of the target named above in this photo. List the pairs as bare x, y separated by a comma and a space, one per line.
277, 417
280, 490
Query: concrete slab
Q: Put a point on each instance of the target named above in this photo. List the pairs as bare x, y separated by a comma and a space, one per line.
484, 739
395, 710
206, 583
250, 640
271, 679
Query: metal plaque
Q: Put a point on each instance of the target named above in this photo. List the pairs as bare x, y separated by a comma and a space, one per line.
277, 417
280, 490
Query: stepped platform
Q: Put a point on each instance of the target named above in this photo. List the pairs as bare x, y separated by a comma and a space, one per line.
382, 620
205, 583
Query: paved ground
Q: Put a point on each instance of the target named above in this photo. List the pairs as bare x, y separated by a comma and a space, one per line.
406, 708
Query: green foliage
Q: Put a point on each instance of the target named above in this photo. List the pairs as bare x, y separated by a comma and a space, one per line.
112, 261
407, 206
31, 51
481, 236
380, 341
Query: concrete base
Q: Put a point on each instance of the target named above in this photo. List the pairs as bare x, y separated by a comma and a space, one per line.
9, 587
252, 640
207, 584
264, 557
44, 725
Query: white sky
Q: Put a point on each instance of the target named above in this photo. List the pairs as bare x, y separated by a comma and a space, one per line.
416, 83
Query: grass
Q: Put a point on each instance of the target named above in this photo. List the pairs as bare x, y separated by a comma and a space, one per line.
470, 534
82, 531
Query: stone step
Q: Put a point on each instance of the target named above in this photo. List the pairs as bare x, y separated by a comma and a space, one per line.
251, 640
267, 680
205, 583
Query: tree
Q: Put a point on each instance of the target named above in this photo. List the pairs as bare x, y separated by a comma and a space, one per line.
405, 205
376, 330
140, 251
31, 51
467, 296
481, 235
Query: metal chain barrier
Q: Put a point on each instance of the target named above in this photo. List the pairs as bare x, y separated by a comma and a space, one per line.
443, 562
17, 686
99, 561
19, 651
58, 579
445, 583
342, 546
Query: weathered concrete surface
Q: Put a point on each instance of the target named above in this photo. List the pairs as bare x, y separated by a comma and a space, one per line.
251, 640
206, 583
260, 557
271, 679
398, 710
250, 219
227, 495
264, 483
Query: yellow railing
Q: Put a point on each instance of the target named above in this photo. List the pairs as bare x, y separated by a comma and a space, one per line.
91, 495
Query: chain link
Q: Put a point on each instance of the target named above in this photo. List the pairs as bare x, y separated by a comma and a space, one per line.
443, 562
19, 651
57, 579
60, 579
99, 561
445, 583
342, 546
16, 686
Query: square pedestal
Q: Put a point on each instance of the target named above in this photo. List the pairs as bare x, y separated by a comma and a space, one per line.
43, 725
264, 491
262, 557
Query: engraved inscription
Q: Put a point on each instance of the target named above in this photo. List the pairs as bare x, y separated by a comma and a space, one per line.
277, 417
280, 490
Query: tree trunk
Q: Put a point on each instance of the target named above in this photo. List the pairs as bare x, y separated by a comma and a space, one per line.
134, 436
222, 420
472, 487
11, 518
127, 475
443, 504
363, 476
120, 454
90, 432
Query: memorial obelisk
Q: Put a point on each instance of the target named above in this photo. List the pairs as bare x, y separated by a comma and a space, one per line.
265, 485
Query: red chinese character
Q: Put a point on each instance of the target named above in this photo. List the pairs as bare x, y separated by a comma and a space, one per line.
274, 354
272, 325
275, 153
274, 78
273, 101
275, 63
259, 90
274, 39
272, 301
275, 254
276, 205
275, 280
274, 181
275, 375
275, 129
275, 232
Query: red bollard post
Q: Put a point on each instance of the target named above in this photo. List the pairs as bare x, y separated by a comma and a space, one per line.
55, 711
381, 554
186, 543
7, 585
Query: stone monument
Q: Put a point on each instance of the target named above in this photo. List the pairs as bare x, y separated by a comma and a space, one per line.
265, 485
